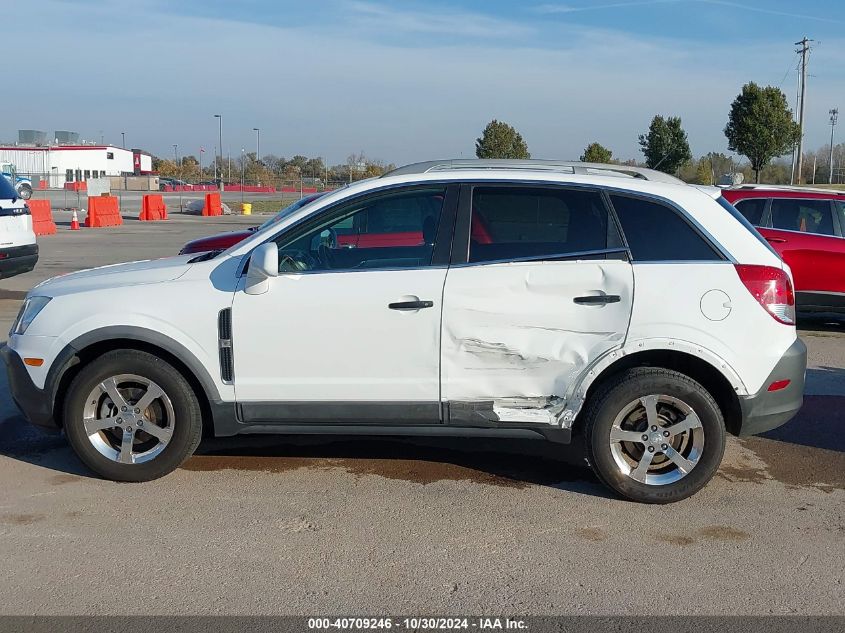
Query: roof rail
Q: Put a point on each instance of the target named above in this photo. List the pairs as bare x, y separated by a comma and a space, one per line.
788, 188
558, 166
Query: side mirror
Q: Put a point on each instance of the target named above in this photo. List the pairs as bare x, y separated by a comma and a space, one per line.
263, 265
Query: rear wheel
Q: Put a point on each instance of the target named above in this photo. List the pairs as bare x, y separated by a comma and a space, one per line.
130, 416
25, 192
654, 435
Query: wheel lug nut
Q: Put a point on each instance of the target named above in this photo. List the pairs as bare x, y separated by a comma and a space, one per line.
140, 423
665, 433
137, 411
653, 428
123, 408
663, 447
120, 420
650, 449
645, 438
129, 429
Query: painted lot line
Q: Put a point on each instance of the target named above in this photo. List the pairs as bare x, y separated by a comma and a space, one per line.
273, 525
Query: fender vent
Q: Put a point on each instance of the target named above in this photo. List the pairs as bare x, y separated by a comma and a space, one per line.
224, 342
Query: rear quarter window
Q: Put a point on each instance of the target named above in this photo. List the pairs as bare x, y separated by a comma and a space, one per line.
657, 233
752, 209
7, 191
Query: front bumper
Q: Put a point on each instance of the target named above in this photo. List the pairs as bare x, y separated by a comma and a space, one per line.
767, 410
17, 260
35, 403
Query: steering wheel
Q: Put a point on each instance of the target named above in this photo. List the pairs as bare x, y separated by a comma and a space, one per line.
296, 262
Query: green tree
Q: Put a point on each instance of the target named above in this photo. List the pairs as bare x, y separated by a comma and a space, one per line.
500, 140
760, 126
665, 146
596, 153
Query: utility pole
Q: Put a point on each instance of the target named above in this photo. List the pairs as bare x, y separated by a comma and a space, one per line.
257, 143
219, 117
804, 50
834, 115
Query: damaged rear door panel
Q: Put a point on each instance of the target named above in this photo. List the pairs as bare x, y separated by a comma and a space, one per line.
544, 290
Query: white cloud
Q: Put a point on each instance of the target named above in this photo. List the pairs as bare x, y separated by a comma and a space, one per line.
331, 89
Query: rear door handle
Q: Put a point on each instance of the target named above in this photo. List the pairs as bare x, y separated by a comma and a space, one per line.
410, 305
594, 300
775, 240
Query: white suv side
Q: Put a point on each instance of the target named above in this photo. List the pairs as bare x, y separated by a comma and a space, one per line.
18, 250
648, 316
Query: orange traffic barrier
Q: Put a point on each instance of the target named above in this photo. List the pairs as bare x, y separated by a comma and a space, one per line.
42, 184
212, 204
103, 211
153, 208
42, 217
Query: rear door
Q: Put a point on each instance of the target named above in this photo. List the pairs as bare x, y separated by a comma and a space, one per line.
539, 288
807, 233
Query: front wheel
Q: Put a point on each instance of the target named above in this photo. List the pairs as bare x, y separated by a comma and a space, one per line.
25, 192
130, 416
654, 435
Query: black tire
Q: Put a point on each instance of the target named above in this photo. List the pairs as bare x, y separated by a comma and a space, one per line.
187, 423
612, 398
26, 192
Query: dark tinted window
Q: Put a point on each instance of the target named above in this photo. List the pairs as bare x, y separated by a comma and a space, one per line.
655, 232
727, 206
752, 209
7, 191
395, 230
519, 222
807, 216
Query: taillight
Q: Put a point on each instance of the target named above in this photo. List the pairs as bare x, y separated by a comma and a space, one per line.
772, 288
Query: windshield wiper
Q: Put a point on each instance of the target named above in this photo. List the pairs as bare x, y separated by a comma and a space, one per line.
204, 257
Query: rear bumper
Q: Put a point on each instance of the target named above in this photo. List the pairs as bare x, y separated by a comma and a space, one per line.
17, 259
35, 403
767, 410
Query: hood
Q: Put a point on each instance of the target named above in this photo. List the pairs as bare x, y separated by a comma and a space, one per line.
215, 242
149, 271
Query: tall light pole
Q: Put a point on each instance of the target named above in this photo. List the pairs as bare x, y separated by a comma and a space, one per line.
219, 117
123, 137
834, 115
176, 158
243, 168
257, 143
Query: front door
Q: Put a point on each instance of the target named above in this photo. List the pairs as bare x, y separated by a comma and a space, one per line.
544, 289
350, 330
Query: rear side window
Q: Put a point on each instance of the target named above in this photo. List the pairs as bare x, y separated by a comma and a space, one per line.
656, 233
532, 222
7, 191
806, 216
752, 209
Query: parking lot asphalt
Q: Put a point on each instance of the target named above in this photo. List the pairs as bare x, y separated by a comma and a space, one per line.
314, 526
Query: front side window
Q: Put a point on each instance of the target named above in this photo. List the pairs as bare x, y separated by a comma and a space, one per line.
393, 230
657, 233
536, 223
752, 209
806, 216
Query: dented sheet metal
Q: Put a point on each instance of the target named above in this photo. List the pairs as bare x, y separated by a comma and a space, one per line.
514, 339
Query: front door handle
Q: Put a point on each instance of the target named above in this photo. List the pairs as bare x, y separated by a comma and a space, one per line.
410, 305
775, 240
595, 300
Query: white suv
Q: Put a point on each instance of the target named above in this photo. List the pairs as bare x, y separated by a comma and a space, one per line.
18, 250
446, 298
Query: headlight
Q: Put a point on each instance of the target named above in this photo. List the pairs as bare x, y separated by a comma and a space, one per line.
29, 310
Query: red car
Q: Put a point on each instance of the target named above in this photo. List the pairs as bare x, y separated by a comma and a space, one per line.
807, 228
222, 241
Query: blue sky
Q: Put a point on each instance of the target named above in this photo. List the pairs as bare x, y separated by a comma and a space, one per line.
405, 81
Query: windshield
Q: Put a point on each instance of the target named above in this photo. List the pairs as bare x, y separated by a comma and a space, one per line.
281, 215
742, 220
7, 191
